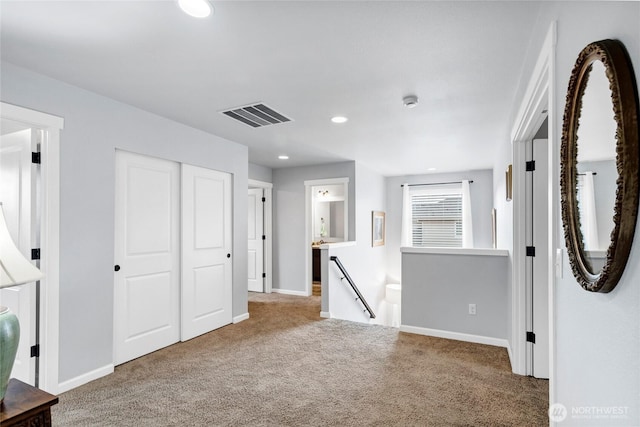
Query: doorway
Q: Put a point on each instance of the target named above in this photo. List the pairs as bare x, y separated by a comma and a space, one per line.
260, 236
48, 223
255, 234
538, 104
327, 221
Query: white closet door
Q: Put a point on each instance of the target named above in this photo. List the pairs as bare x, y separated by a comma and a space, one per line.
17, 194
255, 259
147, 251
206, 250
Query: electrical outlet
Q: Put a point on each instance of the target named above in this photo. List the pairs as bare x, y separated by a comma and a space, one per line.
472, 309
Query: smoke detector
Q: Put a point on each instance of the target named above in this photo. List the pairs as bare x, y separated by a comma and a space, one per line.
410, 101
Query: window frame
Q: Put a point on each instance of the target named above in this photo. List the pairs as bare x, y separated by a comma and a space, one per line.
438, 190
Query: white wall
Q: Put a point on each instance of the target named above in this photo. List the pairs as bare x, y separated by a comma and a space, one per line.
438, 288
481, 205
95, 127
597, 336
364, 263
260, 173
289, 243
371, 196
504, 217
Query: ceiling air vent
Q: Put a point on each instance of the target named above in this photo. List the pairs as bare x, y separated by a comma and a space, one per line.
256, 115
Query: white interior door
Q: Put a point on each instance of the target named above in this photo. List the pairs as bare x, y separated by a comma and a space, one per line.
206, 251
255, 259
537, 266
147, 254
17, 194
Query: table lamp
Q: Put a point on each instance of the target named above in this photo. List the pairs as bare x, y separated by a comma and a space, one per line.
15, 270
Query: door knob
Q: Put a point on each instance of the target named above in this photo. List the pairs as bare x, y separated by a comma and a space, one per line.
228, 255
116, 268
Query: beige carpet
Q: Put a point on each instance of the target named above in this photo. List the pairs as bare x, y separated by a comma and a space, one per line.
287, 366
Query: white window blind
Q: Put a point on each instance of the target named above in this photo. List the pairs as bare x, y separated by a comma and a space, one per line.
436, 217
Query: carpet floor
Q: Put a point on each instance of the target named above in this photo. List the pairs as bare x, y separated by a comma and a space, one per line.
286, 366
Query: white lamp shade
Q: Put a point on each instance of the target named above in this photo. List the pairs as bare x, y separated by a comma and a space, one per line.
15, 269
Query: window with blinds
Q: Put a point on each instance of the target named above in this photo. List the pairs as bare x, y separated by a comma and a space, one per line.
437, 218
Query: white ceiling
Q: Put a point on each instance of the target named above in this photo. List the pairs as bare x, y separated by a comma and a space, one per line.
310, 60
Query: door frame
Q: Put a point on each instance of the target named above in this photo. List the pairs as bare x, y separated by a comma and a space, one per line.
267, 188
308, 227
538, 103
49, 238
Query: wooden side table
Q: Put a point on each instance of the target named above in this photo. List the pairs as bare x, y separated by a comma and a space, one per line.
25, 405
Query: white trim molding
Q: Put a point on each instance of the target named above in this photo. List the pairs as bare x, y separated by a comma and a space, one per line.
289, 292
478, 339
31, 117
328, 181
529, 119
325, 314
85, 378
254, 183
49, 236
240, 318
538, 103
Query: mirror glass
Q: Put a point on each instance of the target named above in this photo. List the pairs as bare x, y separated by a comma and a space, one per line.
329, 213
329, 221
596, 168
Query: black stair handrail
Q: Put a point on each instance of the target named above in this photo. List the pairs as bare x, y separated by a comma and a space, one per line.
353, 286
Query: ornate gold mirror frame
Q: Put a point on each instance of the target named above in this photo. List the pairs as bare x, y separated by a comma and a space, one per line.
625, 109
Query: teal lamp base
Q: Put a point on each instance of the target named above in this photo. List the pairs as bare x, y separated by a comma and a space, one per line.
9, 338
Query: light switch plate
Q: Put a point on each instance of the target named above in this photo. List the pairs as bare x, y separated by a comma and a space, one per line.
559, 258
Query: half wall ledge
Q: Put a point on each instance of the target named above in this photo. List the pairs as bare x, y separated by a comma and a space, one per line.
456, 251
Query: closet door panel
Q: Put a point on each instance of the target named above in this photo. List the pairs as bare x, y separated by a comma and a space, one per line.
206, 250
147, 252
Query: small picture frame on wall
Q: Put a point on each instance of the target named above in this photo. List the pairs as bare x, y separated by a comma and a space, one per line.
377, 228
509, 182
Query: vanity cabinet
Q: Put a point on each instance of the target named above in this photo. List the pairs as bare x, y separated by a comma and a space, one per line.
316, 265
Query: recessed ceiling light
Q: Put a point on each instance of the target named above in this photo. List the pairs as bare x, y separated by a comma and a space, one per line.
431, 169
283, 157
339, 119
196, 8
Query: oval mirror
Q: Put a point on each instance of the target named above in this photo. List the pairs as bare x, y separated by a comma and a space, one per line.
596, 168
599, 165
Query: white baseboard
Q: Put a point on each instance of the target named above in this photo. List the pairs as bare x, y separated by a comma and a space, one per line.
85, 378
240, 318
478, 339
510, 355
325, 314
288, 292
